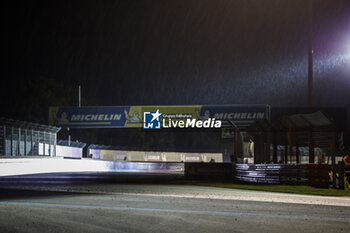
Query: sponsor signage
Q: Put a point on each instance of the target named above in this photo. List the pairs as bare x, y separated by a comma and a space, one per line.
157, 117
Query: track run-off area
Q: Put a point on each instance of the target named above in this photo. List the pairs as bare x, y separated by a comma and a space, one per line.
146, 202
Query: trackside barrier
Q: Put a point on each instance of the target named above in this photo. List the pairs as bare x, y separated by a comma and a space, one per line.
68, 151
136, 156
153, 156
171, 156
208, 170
315, 175
270, 173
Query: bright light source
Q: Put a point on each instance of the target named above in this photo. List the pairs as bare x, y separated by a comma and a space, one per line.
13, 167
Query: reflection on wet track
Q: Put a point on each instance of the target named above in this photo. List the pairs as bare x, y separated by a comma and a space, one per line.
92, 177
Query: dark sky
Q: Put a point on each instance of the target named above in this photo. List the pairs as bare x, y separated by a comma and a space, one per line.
181, 52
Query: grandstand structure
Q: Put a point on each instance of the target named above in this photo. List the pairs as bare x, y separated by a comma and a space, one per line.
21, 138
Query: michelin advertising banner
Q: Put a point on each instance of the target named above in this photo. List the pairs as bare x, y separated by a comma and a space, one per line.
135, 116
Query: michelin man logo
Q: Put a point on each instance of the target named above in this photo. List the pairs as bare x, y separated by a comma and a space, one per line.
151, 120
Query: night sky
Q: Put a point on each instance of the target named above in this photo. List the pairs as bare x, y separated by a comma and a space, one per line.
179, 52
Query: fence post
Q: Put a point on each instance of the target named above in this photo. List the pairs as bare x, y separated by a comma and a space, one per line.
50, 154
44, 141
25, 142
268, 147
311, 148
286, 151
38, 140
12, 141
297, 155
31, 142
5, 152
274, 156
54, 144
19, 142
341, 173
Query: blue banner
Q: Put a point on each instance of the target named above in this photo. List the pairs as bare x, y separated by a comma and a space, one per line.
132, 116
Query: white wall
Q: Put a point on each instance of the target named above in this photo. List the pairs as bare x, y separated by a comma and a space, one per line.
69, 151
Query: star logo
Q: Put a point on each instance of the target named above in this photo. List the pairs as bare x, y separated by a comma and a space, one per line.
156, 115
151, 120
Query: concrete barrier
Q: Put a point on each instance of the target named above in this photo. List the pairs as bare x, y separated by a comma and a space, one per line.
114, 155
172, 157
137, 156
212, 157
192, 157
69, 152
154, 156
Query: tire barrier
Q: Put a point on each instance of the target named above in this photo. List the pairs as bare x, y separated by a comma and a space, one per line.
315, 175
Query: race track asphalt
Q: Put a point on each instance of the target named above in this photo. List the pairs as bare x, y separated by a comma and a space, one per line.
133, 203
